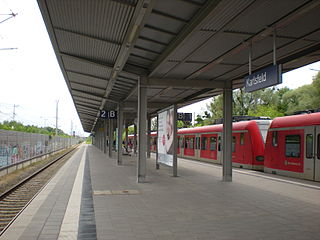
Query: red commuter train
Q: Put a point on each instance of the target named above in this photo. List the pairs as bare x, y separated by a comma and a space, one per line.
288, 146
293, 147
205, 143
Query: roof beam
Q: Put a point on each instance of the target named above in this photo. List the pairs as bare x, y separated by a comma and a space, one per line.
86, 75
157, 29
87, 114
259, 36
150, 104
131, 93
182, 83
99, 64
86, 60
87, 101
124, 2
154, 11
87, 93
86, 106
86, 85
185, 33
87, 36
141, 12
87, 120
152, 40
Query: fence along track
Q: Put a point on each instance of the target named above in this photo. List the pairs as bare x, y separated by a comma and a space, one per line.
14, 200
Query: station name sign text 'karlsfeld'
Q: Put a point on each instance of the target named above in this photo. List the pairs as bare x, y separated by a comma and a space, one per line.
108, 114
264, 78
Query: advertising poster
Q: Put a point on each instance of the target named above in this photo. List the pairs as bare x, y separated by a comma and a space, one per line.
165, 137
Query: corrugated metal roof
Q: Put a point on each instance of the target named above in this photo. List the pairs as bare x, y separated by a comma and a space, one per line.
103, 46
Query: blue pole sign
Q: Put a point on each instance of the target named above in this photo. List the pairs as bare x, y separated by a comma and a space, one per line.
108, 114
264, 78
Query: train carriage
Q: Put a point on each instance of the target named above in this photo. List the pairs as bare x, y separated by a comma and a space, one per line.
204, 143
293, 147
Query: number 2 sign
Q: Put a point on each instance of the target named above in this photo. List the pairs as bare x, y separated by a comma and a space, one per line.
108, 114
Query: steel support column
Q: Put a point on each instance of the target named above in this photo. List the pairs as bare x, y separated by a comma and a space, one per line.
105, 133
149, 138
127, 134
135, 138
157, 155
227, 133
142, 133
99, 137
175, 142
110, 137
120, 131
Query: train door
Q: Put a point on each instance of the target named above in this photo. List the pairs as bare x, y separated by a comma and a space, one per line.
189, 142
317, 155
181, 145
219, 153
197, 146
309, 156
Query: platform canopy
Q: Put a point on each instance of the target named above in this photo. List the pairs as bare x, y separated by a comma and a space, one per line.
185, 49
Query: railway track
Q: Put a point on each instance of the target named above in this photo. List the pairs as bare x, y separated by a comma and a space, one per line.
14, 200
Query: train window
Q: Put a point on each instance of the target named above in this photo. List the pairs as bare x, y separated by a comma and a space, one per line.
318, 147
203, 143
233, 143
191, 145
275, 139
213, 143
309, 146
186, 141
219, 143
293, 146
241, 138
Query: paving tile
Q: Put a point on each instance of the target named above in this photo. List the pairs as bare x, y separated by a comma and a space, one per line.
196, 205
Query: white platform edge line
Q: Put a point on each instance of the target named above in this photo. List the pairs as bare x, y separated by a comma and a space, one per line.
70, 223
21, 223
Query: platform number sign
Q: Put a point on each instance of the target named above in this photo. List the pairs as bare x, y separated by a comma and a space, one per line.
108, 114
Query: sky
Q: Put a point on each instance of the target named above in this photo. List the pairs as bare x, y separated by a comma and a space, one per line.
31, 80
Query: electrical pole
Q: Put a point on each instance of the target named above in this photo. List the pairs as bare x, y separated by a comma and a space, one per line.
14, 111
71, 132
57, 105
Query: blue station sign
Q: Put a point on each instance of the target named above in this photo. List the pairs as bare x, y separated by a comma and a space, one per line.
264, 78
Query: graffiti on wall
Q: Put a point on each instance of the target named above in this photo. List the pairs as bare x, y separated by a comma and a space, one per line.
17, 146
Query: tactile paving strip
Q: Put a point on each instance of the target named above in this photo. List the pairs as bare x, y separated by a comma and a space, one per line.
116, 192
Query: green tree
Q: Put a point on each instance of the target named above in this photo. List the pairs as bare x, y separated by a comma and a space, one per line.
265, 102
266, 111
302, 98
17, 126
316, 86
282, 105
216, 107
204, 119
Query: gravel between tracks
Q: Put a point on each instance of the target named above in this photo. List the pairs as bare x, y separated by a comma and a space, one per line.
15, 177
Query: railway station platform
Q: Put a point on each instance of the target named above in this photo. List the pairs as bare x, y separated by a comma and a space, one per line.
91, 197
